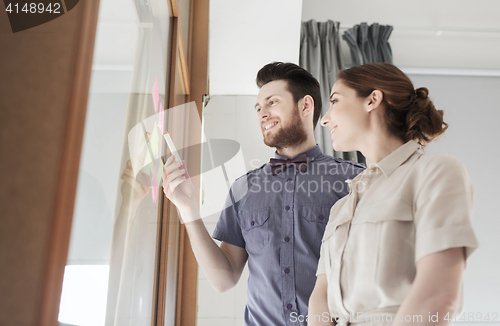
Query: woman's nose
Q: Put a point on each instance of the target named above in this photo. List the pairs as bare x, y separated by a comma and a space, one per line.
324, 119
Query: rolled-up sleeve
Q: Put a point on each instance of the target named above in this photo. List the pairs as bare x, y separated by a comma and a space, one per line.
228, 227
443, 207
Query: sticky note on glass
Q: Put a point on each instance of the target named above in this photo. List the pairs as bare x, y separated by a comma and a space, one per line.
173, 150
161, 118
156, 95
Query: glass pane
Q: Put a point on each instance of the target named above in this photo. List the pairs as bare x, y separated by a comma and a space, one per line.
110, 272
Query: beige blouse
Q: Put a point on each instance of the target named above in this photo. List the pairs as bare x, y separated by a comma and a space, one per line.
407, 206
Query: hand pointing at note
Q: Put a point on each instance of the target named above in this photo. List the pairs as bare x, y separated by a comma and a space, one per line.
222, 265
178, 188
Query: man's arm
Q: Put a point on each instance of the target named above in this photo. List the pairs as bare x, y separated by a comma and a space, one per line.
435, 288
222, 265
318, 306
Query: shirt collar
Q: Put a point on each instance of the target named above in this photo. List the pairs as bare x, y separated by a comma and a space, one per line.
311, 153
392, 161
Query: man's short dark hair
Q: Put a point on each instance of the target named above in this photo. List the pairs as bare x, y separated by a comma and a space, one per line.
299, 82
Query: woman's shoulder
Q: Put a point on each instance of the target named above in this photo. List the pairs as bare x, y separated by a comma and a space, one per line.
439, 161
443, 166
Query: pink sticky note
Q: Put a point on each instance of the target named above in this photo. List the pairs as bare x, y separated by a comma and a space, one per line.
156, 95
154, 187
154, 193
161, 118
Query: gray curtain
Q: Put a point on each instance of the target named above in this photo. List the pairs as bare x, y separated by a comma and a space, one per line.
369, 44
320, 54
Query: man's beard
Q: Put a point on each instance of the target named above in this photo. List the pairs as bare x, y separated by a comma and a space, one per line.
291, 136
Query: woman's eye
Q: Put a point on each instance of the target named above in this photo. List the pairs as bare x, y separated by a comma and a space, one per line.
272, 102
333, 101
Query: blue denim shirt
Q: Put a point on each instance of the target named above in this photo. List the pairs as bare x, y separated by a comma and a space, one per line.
279, 220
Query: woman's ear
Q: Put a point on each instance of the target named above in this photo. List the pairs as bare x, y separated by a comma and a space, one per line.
307, 106
374, 100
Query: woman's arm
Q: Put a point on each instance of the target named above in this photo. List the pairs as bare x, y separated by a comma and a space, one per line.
435, 289
318, 306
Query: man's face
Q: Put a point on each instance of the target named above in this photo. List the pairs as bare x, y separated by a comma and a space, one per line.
278, 116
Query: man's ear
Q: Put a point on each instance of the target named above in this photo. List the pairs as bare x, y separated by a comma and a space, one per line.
374, 100
306, 105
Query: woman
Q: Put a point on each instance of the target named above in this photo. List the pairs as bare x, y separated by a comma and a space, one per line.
394, 249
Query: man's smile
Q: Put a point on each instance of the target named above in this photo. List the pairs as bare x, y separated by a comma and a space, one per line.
269, 125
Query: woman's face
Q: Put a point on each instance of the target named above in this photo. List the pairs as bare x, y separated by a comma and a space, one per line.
346, 119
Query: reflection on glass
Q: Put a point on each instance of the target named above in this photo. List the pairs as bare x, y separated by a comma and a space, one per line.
109, 277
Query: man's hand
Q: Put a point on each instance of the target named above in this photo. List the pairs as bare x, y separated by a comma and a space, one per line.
178, 189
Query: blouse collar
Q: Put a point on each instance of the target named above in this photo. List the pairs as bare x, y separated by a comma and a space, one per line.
392, 161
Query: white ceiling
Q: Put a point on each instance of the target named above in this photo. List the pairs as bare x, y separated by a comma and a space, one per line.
454, 35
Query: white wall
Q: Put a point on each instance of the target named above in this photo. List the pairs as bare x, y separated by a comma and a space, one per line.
246, 35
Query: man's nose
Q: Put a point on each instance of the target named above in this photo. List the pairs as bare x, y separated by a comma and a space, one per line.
263, 114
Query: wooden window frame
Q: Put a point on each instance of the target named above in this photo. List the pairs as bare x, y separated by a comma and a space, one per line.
192, 70
193, 67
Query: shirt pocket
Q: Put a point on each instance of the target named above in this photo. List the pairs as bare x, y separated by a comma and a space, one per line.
394, 209
255, 227
384, 235
313, 220
332, 239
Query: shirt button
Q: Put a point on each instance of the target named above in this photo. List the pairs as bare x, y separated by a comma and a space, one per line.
287, 207
372, 170
287, 270
287, 239
252, 223
321, 217
289, 306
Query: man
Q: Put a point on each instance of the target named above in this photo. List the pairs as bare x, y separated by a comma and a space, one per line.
277, 221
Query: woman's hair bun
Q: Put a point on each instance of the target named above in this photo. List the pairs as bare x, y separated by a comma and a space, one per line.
409, 112
422, 93
425, 123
